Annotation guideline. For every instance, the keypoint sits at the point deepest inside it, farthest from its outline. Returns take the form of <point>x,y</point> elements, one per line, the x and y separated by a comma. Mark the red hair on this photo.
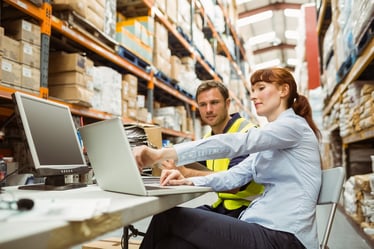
<point>299,103</point>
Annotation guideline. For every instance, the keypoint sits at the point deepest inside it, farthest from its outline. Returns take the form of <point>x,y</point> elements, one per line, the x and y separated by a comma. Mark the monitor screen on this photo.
<point>51,136</point>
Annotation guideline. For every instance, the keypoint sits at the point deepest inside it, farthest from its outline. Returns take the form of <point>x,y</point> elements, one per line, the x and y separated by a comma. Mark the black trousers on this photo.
<point>193,228</point>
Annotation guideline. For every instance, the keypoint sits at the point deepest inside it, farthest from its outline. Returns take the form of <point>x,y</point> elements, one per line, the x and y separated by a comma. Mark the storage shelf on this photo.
<point>359,136</point>
<point>224,47</point>
<point>232,30</point>
<point>177,133</point>
<point>322,22</point>
<point>360,65</point>
<point>44,15</point>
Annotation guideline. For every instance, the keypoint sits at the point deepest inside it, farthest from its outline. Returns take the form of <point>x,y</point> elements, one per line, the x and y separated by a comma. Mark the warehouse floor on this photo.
<point>344,234</point>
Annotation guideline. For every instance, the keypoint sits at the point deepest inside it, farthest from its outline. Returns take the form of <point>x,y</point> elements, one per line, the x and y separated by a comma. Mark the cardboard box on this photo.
<point>11,72</point>
<point>11,49</point>
<point>67,78</point>
<point>65,62</point>
<point>30,54</point>
<point>73,93</point>
<point>154,136</point>
<point>111,243</point>
<point>23,30</point>
<point>30,78</point>
<point>95,18</point>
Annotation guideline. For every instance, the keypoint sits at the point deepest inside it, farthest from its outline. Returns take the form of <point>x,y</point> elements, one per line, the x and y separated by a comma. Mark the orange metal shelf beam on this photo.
<point>177,133</point>
<point>28,8</point>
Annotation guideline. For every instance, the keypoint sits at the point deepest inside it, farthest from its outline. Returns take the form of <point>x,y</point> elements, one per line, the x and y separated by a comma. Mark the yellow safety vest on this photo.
<point>234,201</point>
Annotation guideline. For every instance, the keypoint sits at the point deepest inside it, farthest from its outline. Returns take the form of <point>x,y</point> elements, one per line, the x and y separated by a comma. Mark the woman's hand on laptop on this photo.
<point>147,157</point>
<point>173,177</point>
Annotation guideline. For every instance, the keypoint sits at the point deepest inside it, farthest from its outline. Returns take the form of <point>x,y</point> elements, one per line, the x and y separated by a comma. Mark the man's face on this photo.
<point>213,108</point>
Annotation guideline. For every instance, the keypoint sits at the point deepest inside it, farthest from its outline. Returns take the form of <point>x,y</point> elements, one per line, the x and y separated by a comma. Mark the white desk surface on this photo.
<point>61,219</point>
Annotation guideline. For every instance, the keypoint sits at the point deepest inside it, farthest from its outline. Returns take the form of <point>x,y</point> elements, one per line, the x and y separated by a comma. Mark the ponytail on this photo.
<point>302,108</point>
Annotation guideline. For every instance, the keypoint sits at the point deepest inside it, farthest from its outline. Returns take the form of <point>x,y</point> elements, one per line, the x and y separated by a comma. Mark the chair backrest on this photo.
<point>332,184</point>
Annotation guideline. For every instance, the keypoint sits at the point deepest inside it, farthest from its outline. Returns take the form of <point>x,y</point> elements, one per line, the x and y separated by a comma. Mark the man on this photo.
<point>213,102</point>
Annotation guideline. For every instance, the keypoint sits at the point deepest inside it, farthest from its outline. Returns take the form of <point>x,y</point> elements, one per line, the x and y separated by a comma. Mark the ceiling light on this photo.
<point>291,34</point>
<point>292,12</point>
<point>267,37</point>
<point>255,18</point>
<point>266,64</point>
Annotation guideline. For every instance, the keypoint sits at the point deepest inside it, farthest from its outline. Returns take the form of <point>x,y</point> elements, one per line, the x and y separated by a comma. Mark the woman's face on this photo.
<point>268,99</point>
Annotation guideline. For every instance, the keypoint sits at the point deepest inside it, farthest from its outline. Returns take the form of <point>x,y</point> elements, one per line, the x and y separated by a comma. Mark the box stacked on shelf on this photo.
<point>136,35</point>
<point>107,84</point>
<point>10,66</point>
<point>161,51</point>
<point>184,17</point>
<point>70,77</point>
<point>357,108</point>
<point>175,68</point>
<point>171,11</point>
<point>359,201</point>
<point>22,48</point>
<point>188,78</point>
<point>129,95</point>
<point>172,117</point>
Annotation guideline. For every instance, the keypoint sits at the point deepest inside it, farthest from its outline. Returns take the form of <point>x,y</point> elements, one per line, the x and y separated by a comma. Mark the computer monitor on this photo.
<point>52,144</point>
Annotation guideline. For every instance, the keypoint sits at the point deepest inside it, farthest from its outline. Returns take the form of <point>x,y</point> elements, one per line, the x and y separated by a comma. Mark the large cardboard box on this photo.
<point>72,93</point>
<point>154,136</point>
<point>67,78</point>
<point>30,78</point>
<point>11,72</point>
<point>66,62</point>
<point>30,54</point>
<point>23,30</point>
<point>11,49</point>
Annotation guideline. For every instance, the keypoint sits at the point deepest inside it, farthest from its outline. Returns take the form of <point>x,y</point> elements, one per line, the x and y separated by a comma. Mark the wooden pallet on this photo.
<point>78,23</point>
<point>133,8</point>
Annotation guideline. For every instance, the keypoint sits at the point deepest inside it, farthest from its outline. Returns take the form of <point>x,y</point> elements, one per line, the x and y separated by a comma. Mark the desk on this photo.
<point>59,233</point>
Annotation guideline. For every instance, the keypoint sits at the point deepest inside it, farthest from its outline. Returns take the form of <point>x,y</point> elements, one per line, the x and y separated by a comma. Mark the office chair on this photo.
<point>332,184</point>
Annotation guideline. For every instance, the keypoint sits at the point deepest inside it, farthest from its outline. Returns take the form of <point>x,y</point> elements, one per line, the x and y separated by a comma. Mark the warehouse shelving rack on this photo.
<point>360,67</point>
<point>48,22</point>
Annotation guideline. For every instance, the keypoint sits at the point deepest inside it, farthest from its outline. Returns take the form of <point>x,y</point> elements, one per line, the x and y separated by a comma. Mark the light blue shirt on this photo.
<point>284,157</point>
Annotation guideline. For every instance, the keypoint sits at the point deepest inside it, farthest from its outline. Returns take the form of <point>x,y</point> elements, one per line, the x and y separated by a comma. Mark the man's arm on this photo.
<point>194,169</point>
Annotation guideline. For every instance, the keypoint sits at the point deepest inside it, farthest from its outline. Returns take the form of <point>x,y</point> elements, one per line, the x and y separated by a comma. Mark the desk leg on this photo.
<point>125,238</point>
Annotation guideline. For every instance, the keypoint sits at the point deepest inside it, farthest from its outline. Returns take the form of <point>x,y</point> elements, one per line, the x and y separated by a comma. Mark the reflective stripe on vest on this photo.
<point>234,201</point>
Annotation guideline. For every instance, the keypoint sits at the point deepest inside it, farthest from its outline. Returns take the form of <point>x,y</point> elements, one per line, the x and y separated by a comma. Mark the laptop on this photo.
<point>115,168</point>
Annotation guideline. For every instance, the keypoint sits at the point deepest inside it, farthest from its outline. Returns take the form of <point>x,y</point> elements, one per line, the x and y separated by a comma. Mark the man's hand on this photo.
<point>173,177</point>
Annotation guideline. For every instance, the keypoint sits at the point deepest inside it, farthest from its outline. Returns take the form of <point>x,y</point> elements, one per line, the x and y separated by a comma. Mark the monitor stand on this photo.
<point>53,183</point>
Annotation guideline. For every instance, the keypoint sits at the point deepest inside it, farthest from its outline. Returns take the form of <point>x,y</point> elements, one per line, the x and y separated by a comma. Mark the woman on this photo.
<point>284,157</point>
